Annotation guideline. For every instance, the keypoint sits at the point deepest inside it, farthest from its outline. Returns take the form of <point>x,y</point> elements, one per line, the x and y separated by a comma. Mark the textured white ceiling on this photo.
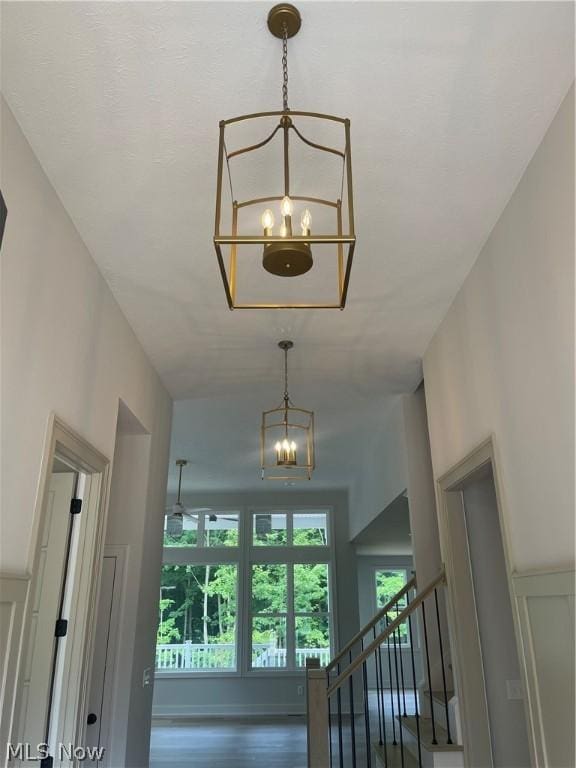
<point>448,102</point>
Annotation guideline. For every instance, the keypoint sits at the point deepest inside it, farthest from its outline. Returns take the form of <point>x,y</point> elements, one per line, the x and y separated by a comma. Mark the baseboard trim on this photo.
<point>174,712</point>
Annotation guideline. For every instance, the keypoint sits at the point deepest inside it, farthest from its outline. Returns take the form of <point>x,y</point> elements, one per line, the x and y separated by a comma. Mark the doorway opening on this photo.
<point>60,613</point>
<point>489,674</point>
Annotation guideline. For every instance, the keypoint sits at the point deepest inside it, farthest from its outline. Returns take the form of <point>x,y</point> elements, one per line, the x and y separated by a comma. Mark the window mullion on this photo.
<point>290,621</point>
<point>246,592</point>
<point>201,542</point>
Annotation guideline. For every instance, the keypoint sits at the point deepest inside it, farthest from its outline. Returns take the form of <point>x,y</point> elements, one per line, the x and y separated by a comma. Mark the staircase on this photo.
<point>408,720</point>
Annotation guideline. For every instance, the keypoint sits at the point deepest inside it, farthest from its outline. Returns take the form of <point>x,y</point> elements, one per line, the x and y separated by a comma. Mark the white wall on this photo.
<point>502,361</point>
<point>382,474</point>
<point>421,495</point>
<point>257,692</point>
<point>66,347</point>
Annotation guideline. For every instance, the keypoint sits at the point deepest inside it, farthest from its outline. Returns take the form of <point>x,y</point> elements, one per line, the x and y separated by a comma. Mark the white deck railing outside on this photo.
<point>193,656</point>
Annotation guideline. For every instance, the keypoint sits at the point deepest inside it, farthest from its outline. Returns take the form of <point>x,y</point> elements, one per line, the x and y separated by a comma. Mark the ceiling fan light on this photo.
<point>174,525</point>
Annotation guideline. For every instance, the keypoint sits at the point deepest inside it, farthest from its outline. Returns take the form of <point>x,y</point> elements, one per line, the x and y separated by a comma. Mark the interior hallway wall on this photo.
<point>67,348</point>
<point>502,361</point>
<point>382,472</point>
<point>502,364</point>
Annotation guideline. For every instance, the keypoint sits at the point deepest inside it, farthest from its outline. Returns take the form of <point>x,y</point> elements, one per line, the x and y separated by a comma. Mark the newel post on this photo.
<point>317,715</point>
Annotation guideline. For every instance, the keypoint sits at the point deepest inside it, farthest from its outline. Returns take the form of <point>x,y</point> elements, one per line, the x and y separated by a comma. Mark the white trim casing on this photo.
<point>465,640</point>
<point>13,596</point>
<point>75,668</point>
<point>545,605</point>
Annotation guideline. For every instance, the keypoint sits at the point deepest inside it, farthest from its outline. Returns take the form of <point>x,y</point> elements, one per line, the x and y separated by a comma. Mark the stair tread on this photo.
<point>439,695</point>
<point>394,755</point>
<point>426,734</point>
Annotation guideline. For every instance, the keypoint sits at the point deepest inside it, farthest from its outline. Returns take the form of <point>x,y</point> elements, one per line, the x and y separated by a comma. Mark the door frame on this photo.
<point>109,693</point>
<point>464,630</point>
<point>61,440</point>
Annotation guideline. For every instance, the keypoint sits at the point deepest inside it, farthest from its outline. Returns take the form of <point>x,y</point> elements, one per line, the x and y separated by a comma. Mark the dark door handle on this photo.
<point>91,719</point>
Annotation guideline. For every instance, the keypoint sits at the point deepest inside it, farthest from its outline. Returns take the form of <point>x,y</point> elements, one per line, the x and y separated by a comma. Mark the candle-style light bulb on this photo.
<point>267,220</point>
<point>286,206</point>
<point>283,230</point>
<point>306,221</point>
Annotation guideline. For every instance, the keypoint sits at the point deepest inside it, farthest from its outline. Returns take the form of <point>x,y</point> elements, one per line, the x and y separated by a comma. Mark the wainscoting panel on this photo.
<point>545,604</point>
<point>13,594</point>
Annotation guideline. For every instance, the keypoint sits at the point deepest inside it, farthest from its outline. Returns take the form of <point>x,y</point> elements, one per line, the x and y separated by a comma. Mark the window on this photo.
<point>310,529</point>
<point>206,529</point>
<point>389,582</point>
<point>281,529</point>
<point>197,626</point>
<point>290,594</point>
<point>269,615</point>
<point>270,530</point>
<point>281,558</point>
<point>311,612</point>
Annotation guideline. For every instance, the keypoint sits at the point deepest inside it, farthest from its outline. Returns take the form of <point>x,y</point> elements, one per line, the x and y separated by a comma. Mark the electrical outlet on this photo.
<point>300,690</point>
<point>514,690</point>
<point>147,677</point>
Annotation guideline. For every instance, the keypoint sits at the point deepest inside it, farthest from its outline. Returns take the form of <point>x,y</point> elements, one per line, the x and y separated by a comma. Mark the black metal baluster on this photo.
<point>339,705</point>
<point>382,705</point>
<point>366,711</point>
<point>378,692</point>
<point>449,737</point>
<point>416,713</point>
<point>352,717</point>
<point>400,732</point>
<point>402,671</point>
<point>434,740</point>
<point>391,687</point>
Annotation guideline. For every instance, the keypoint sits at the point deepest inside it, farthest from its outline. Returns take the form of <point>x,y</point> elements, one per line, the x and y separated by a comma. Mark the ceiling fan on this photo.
<point>176,513</point>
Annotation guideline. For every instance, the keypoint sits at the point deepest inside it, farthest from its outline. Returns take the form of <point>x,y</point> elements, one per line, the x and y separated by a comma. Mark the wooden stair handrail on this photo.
<point>373,621</point>
<point>369,650</point>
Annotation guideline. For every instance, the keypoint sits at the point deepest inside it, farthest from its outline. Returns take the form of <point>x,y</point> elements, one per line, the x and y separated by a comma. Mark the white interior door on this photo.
<point>40,661</point>
<point>100,698</point>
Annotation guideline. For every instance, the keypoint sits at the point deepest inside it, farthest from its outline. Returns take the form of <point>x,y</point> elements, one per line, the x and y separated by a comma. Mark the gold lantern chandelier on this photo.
<point>287,436</point>
<point>278,164</point>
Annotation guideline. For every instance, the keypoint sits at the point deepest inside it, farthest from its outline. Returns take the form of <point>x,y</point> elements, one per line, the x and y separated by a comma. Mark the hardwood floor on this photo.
<point>278,742</point>
<point>254,742</point>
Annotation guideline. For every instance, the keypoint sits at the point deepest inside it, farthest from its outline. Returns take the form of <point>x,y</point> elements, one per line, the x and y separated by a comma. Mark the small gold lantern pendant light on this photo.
<point>289,249</point>
<point>287,436</point>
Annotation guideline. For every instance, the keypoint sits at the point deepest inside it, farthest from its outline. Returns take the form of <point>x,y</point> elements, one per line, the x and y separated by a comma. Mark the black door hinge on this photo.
<point>61,628</point>
<point>75,506</point>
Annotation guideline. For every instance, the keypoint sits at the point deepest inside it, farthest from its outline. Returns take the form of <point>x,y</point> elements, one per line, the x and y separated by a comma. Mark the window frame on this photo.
<point>243,556</point>
<point>201,530</point>
<point>408,570</point>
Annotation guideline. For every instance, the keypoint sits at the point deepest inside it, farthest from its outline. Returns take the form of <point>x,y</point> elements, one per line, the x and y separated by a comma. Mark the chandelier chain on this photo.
<point>285,67</point>
<point>286,395</point>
